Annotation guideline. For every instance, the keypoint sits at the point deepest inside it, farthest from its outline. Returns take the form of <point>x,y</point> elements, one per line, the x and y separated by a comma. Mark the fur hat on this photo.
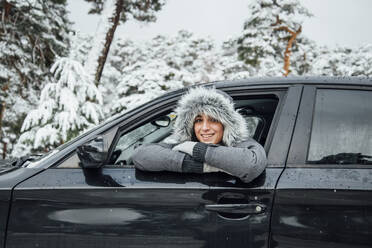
<point>211,102</point>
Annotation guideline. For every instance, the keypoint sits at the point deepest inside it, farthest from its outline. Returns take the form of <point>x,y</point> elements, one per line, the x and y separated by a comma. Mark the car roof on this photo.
<point>277,82</point>
<point>310,80</point>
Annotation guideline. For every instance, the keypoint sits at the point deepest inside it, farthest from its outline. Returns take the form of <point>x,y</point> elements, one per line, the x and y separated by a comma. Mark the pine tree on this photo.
<point>232,67</point>
<point>112,13</point>
<point>149,69</point>
<point>343,61</point>
<point>32,33</point>
<point>271,35</point>
<point>69,104</point>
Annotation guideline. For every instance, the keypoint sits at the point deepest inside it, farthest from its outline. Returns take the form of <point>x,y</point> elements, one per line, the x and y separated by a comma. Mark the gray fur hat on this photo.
<point>211,102</point>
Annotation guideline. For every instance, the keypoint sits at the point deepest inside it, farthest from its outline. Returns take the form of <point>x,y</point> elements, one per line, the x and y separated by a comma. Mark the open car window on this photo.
<point>151,132</point>
<point>257,112</point>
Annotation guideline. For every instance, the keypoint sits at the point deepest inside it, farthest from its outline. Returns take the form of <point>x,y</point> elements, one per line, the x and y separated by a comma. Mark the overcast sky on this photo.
<point>342,22</point>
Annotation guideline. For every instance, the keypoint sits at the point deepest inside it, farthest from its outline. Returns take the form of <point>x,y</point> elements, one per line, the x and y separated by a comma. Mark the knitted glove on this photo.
<point>185,147</point>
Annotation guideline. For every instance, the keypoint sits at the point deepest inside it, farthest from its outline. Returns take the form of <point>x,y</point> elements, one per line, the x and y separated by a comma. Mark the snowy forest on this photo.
<point>57,83</point>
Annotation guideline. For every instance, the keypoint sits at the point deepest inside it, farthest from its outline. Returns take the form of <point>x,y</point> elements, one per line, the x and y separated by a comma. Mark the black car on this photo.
<point>315,192</point>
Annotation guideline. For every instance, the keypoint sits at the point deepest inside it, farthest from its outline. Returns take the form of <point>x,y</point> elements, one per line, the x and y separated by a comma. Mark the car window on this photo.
<point>258,113</point>
<point>150,132</point>
<point>257,122</point>
<point>342,127</point>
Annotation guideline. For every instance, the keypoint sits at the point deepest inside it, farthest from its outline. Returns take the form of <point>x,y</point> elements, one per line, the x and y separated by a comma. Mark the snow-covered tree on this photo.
<point>149,69</point>
<point>343,61</point>
<point>232,67</point>
<point>68,106</point>
<point>80,45</point>
<point>271,35</point>
<point>32,33</point>
<point>112,13</point>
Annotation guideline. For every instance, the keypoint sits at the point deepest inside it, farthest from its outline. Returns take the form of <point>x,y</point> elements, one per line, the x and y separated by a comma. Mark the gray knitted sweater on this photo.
<point>246,160</point>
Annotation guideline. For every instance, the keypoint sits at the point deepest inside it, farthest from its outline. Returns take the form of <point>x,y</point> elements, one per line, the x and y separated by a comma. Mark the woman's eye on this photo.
<point>198,120</point>
<point>213,120</point>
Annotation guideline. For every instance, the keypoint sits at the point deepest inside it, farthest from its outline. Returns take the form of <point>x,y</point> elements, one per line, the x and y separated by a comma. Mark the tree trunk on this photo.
<point>2,111</point>
<point>288,49</point>
<point>109,37</point>
<point>287,53</point>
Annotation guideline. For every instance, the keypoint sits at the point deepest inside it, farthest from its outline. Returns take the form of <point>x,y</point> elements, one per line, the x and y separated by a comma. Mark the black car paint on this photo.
<point>7,183</point>
<point>306,211</point>
<point>123,207</point>
<point>321,205</point>
<point>323,208</point>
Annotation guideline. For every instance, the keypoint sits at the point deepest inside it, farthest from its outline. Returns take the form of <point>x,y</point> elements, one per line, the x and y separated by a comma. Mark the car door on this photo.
<point>119,206</point>
<point>9,178</point>
<point>324,197</point>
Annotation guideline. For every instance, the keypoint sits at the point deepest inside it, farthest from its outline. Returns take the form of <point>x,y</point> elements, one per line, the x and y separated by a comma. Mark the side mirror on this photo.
<point>92,154</point>
<point>162,121</point>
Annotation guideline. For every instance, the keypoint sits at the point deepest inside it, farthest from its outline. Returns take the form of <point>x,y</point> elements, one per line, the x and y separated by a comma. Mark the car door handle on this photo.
<point>251,208</point>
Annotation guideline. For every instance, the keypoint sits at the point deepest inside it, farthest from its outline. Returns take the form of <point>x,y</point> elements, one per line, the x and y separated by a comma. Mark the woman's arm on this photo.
<point>161,157</point>
<point>246,160</point>
<point>158,157</point>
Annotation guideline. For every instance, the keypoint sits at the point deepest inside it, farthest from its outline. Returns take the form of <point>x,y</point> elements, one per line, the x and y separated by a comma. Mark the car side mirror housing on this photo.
<point>162,121</point>
<point>92,154</point>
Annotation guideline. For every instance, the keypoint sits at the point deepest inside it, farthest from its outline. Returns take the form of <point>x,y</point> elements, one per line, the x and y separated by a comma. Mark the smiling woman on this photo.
<point>209,135</point>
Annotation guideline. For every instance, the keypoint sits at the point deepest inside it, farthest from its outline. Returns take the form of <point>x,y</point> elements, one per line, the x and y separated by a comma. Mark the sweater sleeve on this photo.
<point>161,157</point>
<point>247,160</point>
<point>158,157</point>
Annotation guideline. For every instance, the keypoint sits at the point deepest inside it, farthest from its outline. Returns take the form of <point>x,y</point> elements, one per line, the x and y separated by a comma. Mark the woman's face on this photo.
<point>208,130</point>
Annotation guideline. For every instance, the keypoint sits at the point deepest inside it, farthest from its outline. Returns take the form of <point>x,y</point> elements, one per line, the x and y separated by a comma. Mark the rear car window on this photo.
<point>342,127</point>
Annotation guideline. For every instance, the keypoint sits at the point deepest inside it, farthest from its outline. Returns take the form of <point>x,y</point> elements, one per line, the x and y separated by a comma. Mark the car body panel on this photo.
<point>321,205</point>
<point>323,208</point>
<point>8,180</point>
<point>129,208</point>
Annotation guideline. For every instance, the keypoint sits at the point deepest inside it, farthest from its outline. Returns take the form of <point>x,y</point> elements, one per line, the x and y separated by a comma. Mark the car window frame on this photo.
<point>166,103</point>
<point>237,91</point>
<point>300,144</point>
<point>111,129</point>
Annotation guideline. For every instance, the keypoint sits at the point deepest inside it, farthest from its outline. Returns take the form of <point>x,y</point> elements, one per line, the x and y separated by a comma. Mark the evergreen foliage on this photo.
<point>32,33</point>
<point>68,105</point>
<point>132,9</point>
<point>139,72</point>
<point>266,34</point>
<point>114,12</point>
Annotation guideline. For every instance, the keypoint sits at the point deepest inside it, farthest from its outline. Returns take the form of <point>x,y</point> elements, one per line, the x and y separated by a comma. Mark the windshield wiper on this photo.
<point>344,158</point>
<point>18,162</point>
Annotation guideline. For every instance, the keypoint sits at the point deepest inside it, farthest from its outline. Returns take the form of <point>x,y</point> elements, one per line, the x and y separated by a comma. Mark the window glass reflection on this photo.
<point>342,128</point>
